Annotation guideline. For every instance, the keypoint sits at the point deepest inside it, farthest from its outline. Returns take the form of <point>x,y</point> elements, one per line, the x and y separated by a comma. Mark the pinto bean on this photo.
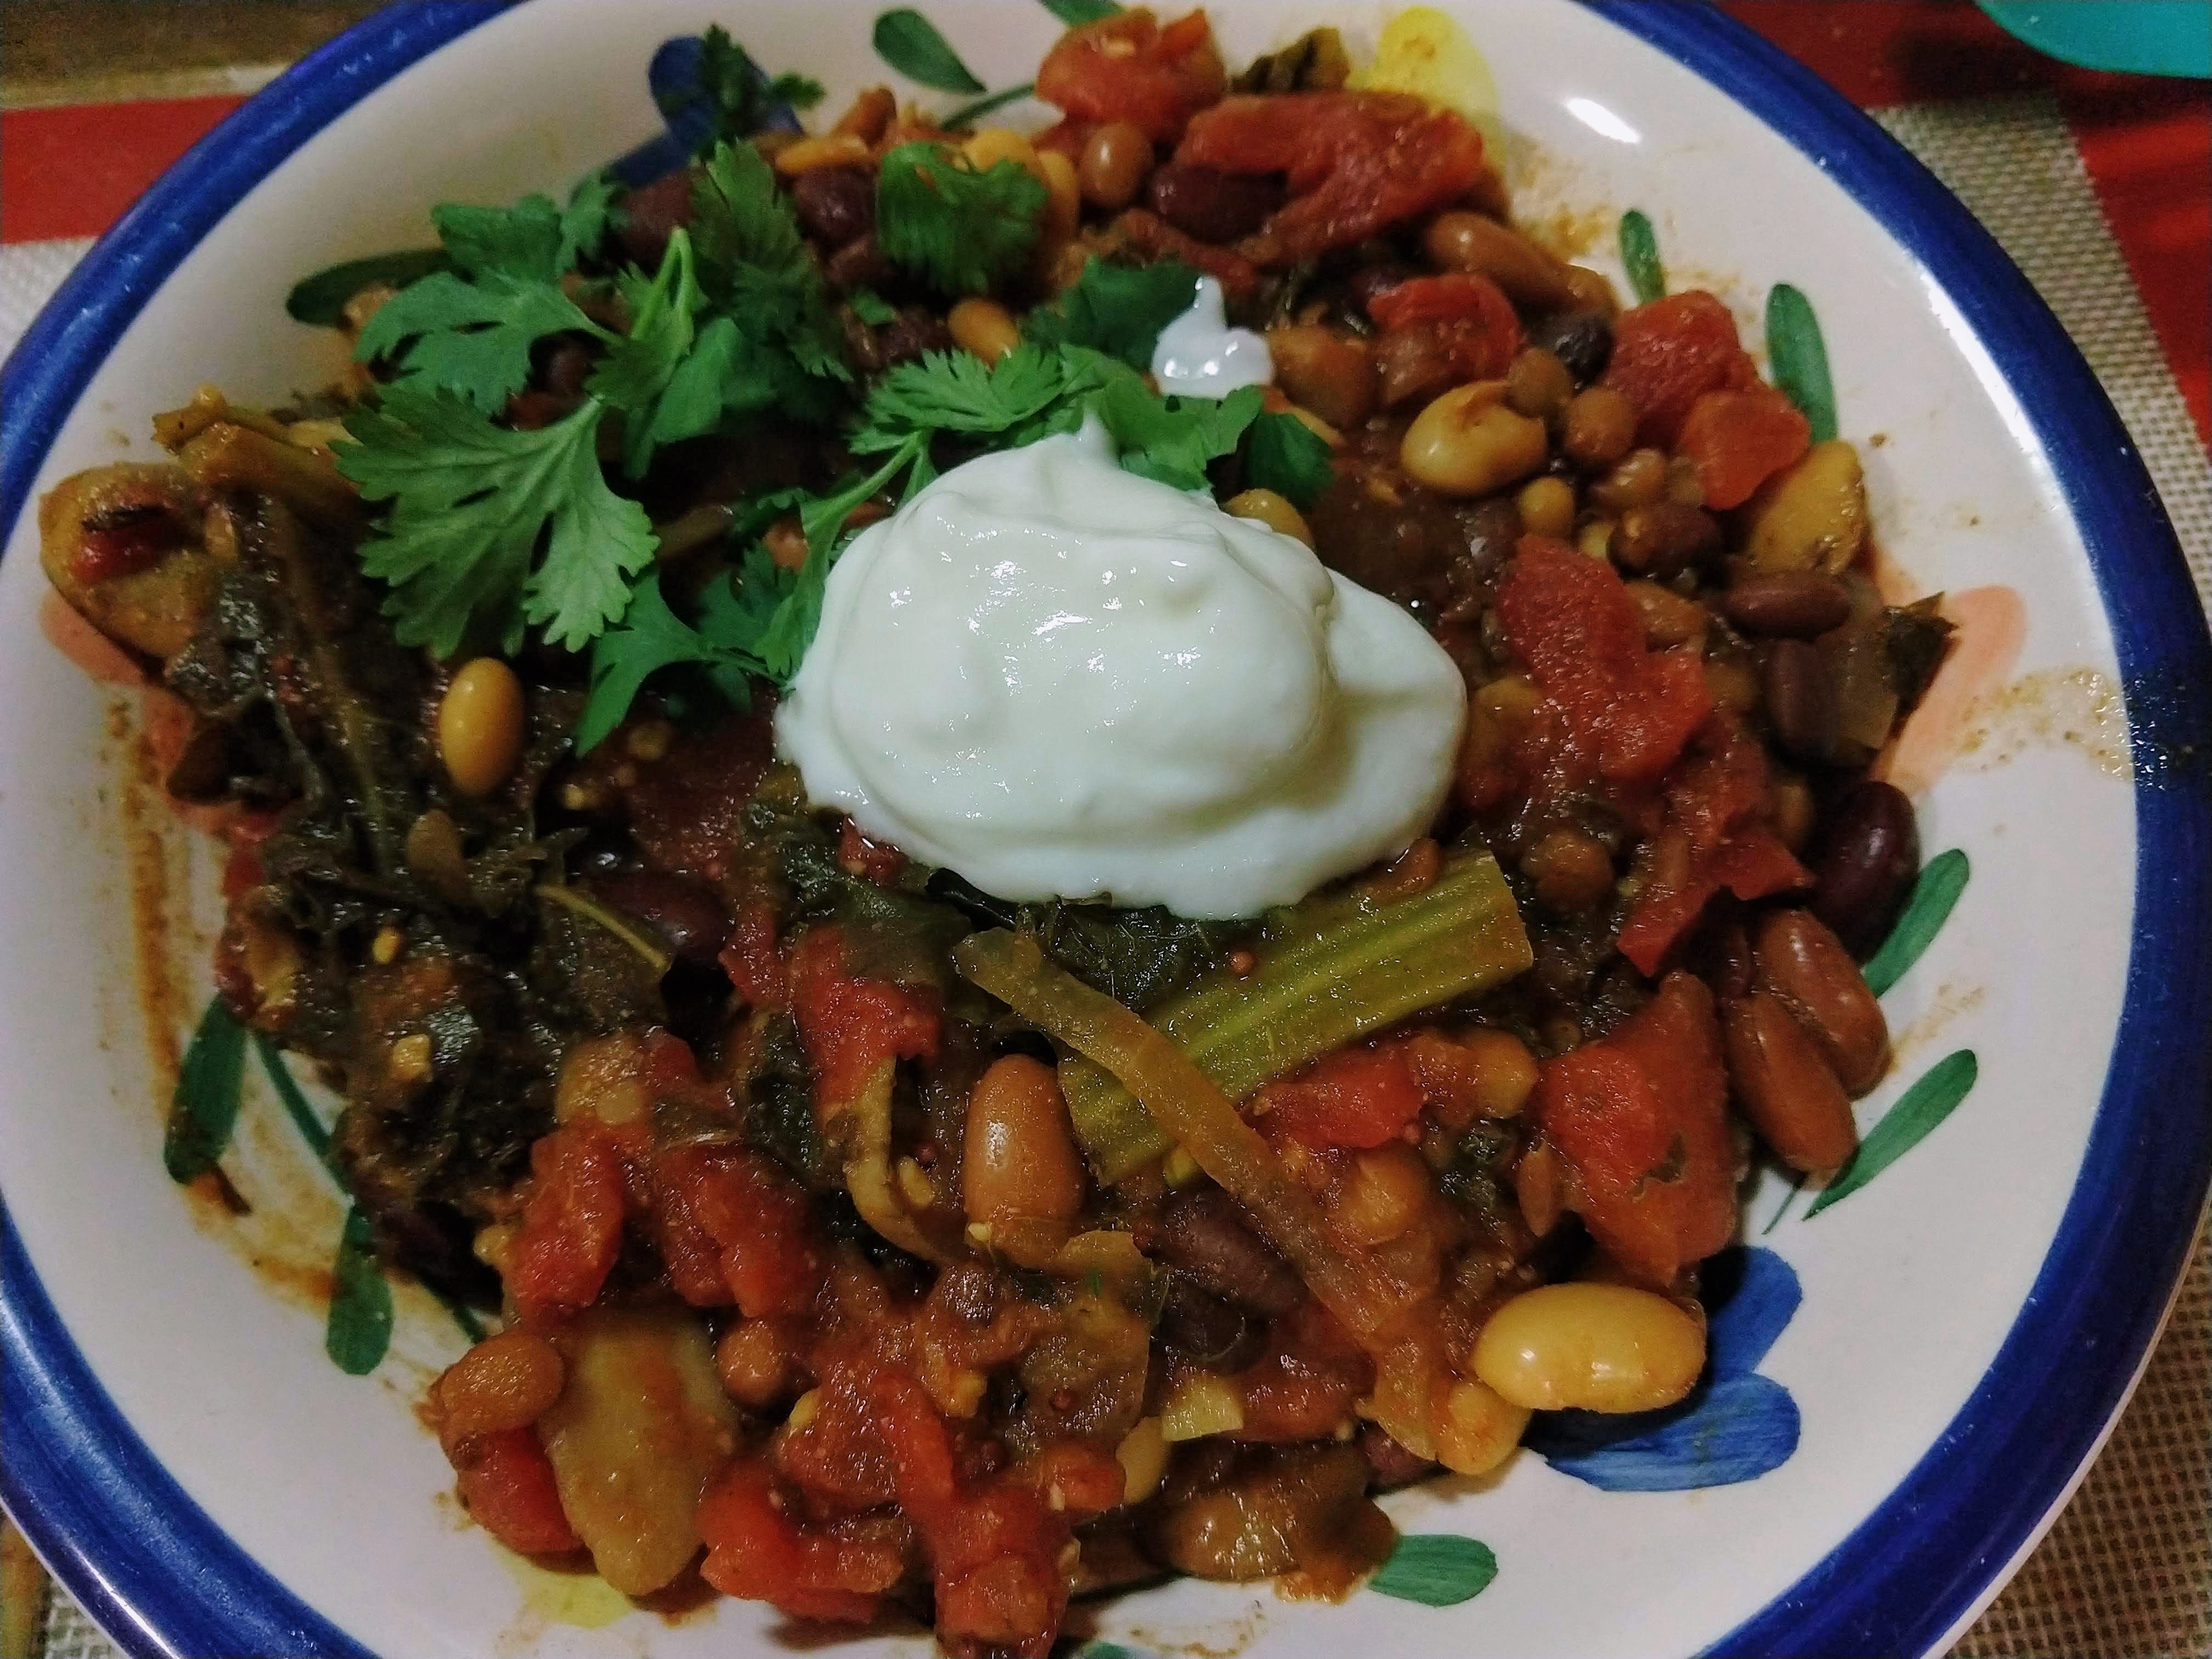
<point>1868,858</point>
<point>1205,1234</point>
<point>1785,1088</point>
<point>1116,158</point>
<point>1324,371</point>
<point>1210,205</point>
<point>1805,964</point>
<point>650,215</point>
<point>1665,538</point>
<point>1795,605</point>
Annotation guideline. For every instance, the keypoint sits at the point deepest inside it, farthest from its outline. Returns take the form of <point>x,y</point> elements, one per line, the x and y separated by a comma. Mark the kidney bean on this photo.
<point>1370,283</point>
<point>1391,1463</point>
<point>1210,205</point>
<point>859,264</point>
<point>1784,1087</point>
<point>1869,853</point>
<point>1806,965</point>
<point>568,364</point>
<point>835,205</point>
<point>1800,689</point>
<point>1794,604</point>
<point>1205,1234</point>
<point>913,331</point>
<point>1583,340</point>
<point>651,212</point>
<point>686,913</point>
<point>1664,538</point>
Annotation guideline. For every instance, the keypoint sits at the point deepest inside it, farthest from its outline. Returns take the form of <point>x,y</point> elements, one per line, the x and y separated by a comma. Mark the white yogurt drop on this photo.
<point>1200,356</point>
<point>1064,681</point>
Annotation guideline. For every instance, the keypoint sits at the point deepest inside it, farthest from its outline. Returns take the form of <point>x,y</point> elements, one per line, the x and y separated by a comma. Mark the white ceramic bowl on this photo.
<point>180,1449</point>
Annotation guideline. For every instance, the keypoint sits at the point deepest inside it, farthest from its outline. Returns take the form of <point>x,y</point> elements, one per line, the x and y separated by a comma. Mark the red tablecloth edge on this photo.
<point>71,170</point>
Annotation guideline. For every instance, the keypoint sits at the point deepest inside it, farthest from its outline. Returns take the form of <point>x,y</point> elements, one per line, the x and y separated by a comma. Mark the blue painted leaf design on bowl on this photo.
<point>1736,1426</point>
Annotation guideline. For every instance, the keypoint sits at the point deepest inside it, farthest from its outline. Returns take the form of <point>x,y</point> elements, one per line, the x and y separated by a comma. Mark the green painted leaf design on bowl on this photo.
<point>1437,1570</point>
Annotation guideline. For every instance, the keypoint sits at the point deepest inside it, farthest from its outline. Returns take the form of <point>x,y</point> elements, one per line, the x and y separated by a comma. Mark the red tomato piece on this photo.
<point>850,1025</point>
<point>505,1482</point>
<point>756,1549</point>
<point>750,957</point>
<point>736,1209</point>
<point>572,1221</point>
<point>1469,312</point>
<point>125,539</point>
<point>1357,162</point>
<point>1739,440</point>
<point>1354,1098</point>
<point>1626,710</point>
<point>1669,353</point>
<point>1307,1381</point>
<point>1126,67</point>
<point>1640,1121</point>
<point>1155,239</point>
<point>1715,837</point>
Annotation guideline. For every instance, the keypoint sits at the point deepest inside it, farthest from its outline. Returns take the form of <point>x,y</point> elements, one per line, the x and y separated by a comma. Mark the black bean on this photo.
<point>685,913</point>
<point>1213,205</point>
<point>1869,853</point>
<point>835,205</point>
<point>651,212</point>
<point>1800,689</point>
<point>1583,340</point>
<point>1794,604</point>
<point>1206,1234</point>
<point>1207,1327</point>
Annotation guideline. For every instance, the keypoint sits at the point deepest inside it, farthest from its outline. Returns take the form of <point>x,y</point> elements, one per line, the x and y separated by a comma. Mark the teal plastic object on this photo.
<point>2135,37</point>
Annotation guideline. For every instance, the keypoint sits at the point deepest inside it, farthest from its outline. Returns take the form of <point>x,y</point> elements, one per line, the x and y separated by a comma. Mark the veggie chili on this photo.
<point>865,1242</point>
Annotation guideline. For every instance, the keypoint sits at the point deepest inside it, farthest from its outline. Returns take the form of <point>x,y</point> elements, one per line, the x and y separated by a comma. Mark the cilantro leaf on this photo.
<point>1117,309</point>
<point>472,505</point>
<point>587,218</point>
<point>755,267</point>
<point>957,391</point>
<point>744,98</point>
<point>638,371</point>
<point>740,217</point>
<point>472,339</point>
<point>1171,440</point>
<point>870,306</point>
<point>1284,454</point>
<point>958,229</point>
<point>653,637</point>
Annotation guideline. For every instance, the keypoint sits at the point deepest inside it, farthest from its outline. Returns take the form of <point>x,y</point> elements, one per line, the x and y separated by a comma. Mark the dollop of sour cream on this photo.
<point>1064,681</point>
<point>1200,356</point>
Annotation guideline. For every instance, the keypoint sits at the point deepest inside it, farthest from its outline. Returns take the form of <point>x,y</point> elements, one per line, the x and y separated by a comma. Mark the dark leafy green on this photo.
<point>1284,454</point>
<point>1117,309</point>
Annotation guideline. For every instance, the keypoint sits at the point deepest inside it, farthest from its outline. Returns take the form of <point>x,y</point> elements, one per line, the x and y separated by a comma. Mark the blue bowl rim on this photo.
<point>168,1584</point>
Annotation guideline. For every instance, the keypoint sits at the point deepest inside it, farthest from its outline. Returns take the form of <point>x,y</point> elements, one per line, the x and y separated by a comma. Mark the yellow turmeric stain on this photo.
<point>1424,52</point>
<point>2076,708</point>
<point>577,1597</point>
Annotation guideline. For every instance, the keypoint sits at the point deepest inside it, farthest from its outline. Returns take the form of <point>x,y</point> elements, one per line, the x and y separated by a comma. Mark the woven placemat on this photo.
<point>2126,1573</point>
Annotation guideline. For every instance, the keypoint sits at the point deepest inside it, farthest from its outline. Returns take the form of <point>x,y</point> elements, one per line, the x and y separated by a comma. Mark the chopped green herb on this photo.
<point>1172,440</point>
<point>742,96</point>
<point>1117,309</point>
<point>958,229</point>
<point>871,307</point>
<point>910,44</point>
<point>470,503</point>
<point>1285,455</point>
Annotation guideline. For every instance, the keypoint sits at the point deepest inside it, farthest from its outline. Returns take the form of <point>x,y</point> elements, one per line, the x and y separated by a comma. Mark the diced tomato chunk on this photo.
<point>749,958</point>
<point>1126,67</point>
<point>1155,239</point>
<point>505,1482</point>
<point>1639,1119</point>
<point>850,1025</point>
<point>1470,313</point>
<point>1357,163</point>
<point>572,1223</point>
<point>1354,1098</point>
<point>734,1227</point>
<point>756,1548</point>
<point>1080,1480</point>
<point>1739,440</point>
<point>1626,710</point>
<point>1308,1380</point>
<point>1716,835</point>
<point>1669,353</point>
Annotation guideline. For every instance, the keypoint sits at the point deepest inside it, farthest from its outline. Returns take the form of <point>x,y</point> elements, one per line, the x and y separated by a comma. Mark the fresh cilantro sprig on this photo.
<point>960,230</point>
<point>469,330</point>
<point>742,96</point>
<point>1284,454</point>
<point>1117,309</point>
<point>471,506</point>
<point>489,530</point>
